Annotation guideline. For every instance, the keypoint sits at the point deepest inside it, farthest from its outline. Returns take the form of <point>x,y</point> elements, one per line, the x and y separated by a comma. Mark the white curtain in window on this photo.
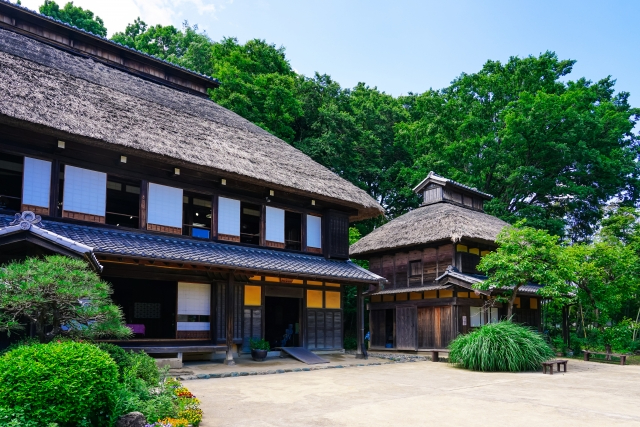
<point>85,191</point>
<point>477,317</point>
<point>36,182</point>
<point>314,231</point>
<point>194,299</point>
<point>275,225</point>
<point>228,216</point>
<point>165,205</point>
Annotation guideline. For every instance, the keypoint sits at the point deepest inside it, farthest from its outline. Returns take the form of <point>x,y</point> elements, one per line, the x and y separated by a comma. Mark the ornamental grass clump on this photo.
<point>503,346</point>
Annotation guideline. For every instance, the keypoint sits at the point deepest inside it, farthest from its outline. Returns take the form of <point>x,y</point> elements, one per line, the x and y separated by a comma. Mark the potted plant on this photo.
<point>259,349</point>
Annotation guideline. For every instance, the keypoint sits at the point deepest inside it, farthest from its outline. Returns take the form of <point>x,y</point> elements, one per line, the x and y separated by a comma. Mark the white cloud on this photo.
<point>116,14</point>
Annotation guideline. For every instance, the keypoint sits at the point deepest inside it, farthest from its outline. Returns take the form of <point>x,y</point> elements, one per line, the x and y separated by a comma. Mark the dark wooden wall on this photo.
<point>336,234</point>
<point>324,329</point>
<point>395,266</point>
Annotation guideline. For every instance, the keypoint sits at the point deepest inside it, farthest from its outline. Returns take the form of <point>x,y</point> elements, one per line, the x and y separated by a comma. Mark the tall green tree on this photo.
<point>551,152</point>
<point>524,255</point>
<point>61,296</point>
<point>76,16</point>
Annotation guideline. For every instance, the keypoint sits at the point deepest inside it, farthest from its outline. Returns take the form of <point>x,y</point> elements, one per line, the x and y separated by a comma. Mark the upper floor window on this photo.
<point>314,233</point>
<point>36,185</point>
<point>164,209</point>
<point>123,202</point>
<point>293,230</point>
<point>11,182</point>
<point>415,268</point>
<point>85,194</point>
<point>250,223</point>
<point>196,214</point>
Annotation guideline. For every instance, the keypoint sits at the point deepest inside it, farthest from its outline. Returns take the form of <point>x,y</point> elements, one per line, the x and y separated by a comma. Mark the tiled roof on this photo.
<point>471,279</point>
<point>415,289</point>
<point>109,241</point>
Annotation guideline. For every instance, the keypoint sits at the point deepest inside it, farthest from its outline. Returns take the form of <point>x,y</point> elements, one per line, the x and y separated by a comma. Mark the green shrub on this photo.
<point>69,383</point>
<point>503,346</point>
<point>144,366</point>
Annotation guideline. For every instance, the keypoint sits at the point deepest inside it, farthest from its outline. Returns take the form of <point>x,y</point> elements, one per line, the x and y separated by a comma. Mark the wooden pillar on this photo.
<point>360,351</point>
<point>229,294</point>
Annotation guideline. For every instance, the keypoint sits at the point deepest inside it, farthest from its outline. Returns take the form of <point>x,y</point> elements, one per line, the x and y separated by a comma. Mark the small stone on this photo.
<point>253,373</point>
<point>225,375</point>
<point>280,371</point>
<point>288,370</point>
<point>215,375</point>
<point>132,419</point>
<point>243,374</point>
<point>202,376</point>
<point>306,369</point>
<point>271,371</point>
<point>234,374</point>
<point>338,366</point>
<point>297,370</point>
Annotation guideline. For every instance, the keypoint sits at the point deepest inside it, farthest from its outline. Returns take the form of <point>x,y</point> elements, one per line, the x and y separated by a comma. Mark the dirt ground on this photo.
<point>424,393</point>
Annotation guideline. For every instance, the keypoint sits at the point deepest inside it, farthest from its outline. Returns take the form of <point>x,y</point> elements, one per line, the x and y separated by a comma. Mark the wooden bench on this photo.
<point>623,357</point>
<point>550,363</point>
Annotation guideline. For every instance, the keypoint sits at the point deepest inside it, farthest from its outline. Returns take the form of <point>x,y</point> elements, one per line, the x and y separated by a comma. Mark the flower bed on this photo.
<point>189,412</point>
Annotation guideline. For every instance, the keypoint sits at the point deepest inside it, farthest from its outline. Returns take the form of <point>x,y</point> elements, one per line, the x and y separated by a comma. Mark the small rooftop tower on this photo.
<point>437,189</point>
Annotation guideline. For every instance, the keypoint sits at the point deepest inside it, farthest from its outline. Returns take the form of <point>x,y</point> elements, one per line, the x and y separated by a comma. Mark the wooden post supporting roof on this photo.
<point>229,312</point>
<point>360,324</point>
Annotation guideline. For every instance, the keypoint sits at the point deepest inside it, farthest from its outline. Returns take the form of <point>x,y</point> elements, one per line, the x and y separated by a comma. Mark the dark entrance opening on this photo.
<point>150,305</point>
<point>282,321</point>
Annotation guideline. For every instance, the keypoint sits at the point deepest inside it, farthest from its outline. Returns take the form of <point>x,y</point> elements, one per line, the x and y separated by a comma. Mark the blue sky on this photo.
<point>409,46</point>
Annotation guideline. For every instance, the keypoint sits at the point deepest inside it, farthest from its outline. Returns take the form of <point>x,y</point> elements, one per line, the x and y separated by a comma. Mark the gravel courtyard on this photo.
<point>424,393</point>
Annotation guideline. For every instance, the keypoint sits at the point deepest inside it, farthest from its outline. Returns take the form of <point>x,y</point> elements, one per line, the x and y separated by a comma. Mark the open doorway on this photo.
<point>282,321</point>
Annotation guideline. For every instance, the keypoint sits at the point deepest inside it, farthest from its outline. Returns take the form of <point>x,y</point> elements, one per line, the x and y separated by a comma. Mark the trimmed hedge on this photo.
<point>69,383</point>
<point>503,346</point>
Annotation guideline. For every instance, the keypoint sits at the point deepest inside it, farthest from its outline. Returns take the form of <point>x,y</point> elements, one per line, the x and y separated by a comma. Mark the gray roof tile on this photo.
<point>130,243</point>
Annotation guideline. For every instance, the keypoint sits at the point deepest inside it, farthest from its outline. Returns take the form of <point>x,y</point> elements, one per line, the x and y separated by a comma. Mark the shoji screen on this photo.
<point>165,209</point>
<point>228,219</point>
<point>36,185</point>
<point>85,194</point>
<point>314,232</point>
<point>275,227</point>
<point>194,307</point>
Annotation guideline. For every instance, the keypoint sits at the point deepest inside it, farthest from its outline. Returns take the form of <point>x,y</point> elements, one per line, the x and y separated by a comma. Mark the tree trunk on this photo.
<point>512,299</point>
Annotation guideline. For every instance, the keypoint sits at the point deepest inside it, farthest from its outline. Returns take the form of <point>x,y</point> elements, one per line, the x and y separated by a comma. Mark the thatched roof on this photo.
<point>68,96</point>
<point>431,223</point>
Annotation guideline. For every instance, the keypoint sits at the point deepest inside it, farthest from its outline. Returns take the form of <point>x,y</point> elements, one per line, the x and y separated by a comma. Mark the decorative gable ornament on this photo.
<point>26,219</point>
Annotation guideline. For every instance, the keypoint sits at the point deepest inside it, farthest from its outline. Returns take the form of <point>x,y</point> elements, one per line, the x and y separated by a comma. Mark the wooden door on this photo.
<point>434,327</point>
<point>406,328</point>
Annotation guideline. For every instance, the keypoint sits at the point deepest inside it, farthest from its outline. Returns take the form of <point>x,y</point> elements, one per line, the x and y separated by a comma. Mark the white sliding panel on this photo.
<point>165,206</point>
<point>228,216</point>
<point>36,182</point>
<point>275,225</point>
<point>85,191</point>
<point>314,231</point>
<point>194,299</point>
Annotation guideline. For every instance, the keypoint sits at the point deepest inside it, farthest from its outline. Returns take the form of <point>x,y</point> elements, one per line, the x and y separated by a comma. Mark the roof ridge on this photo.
<point>26,9</point>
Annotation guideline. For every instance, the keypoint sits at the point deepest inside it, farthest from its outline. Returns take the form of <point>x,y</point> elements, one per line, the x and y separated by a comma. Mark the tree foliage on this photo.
<point>551,151</point>
<point>76,16</point>
<point>524,255</point>
<point>61,296</point>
